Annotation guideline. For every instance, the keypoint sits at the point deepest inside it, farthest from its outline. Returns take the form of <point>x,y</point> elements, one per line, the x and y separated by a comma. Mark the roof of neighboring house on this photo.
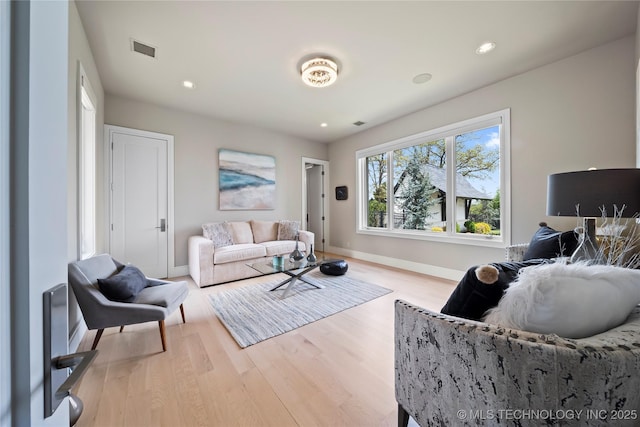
<point>464,189</point>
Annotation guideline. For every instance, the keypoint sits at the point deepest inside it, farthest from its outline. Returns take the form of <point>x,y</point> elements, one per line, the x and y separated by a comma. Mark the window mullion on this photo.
<point>390,196</point>
<point>450,148</point>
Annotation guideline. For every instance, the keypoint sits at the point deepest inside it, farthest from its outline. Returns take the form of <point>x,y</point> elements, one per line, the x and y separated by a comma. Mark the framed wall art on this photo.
<point>247,180</point>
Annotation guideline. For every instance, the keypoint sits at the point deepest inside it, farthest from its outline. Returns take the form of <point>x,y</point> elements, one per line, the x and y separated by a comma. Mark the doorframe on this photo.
<point>325,205</point>
<point>6,326</point>
<point>108,166</point>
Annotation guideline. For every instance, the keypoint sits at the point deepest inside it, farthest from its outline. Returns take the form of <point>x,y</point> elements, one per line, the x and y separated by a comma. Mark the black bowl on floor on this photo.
<point>334,267</point>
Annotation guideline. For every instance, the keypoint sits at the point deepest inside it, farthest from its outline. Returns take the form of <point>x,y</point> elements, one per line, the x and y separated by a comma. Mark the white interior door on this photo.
<point>139,201</point>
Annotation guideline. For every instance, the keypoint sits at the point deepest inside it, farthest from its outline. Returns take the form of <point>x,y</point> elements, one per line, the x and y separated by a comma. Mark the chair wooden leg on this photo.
<point>121,328</point>
<point>182,312</point>
<point>97,338</point>
<point>403,417</point>
<point>162,335</point>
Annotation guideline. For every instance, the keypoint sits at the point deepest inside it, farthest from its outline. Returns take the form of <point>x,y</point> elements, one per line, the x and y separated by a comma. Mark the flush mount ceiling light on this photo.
<point>319,72</point>
<point>485,48</point>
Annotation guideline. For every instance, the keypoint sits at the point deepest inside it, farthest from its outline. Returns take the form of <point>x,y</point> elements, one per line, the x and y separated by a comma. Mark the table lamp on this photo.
<point>591,194</point>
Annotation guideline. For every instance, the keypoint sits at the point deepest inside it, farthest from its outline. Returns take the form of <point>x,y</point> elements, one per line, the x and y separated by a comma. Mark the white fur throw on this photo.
<point>570,300</point>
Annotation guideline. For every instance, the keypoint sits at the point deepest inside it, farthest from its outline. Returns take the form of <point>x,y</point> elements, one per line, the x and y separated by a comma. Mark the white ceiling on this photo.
<point>243,56</point>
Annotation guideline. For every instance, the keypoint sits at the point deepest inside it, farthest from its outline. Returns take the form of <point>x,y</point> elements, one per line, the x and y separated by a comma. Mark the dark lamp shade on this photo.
<point>593,190</point>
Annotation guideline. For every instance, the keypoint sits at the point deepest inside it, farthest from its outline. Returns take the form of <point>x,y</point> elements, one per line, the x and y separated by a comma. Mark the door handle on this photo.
<point>80,361</point>
<point>163,225</point>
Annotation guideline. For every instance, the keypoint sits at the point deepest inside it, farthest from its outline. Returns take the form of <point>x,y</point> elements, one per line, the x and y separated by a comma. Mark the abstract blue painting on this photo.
<point>247,181</point>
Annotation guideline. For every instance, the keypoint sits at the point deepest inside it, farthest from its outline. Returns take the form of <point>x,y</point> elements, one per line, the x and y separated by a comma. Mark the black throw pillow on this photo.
<point>472,298</point>
<point>123,286</point>
<point>548,243</point>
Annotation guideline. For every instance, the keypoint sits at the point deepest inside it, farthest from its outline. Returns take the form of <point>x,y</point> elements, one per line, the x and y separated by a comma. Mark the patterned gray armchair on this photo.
<point>456,372</point>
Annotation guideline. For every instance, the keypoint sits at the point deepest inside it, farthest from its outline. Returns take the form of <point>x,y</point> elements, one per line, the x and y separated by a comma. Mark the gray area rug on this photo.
<point>252,314</point>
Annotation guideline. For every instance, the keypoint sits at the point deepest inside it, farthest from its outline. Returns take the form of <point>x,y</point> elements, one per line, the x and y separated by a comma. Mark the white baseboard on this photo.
<point>77,335</point>
<point>432,270</point>
<point>178,271</point>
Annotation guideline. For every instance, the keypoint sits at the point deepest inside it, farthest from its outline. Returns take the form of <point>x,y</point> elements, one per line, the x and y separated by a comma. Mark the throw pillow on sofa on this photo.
<point>287,230</point>
<point>125,285</point>
<point>264,231</point>
<point>569,300</point>
<point>548,243</point>
<point>240,232</point>
<point>218,233</point>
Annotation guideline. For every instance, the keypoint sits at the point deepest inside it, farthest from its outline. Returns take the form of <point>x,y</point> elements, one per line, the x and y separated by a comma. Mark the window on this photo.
<point>446,184</point>
<point>86,169</point>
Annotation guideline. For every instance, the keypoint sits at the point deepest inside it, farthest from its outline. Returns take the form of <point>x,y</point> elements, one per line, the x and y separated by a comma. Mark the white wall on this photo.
<point>197,141</point>
<point>569,115</point>
<point>79,51</point>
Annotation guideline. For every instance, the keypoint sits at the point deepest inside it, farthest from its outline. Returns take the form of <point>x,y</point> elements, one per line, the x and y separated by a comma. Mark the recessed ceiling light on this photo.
<point>422,78</point>
<point>323,125</point>
<point>188,84</point>
<point>485,48</point>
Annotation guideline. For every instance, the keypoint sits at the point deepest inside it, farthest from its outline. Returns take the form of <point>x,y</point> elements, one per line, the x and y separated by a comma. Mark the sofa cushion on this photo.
<point>125,285</point>
<point>287,230</point>
<point>282,247</point>
<point>570,300</point>
<point>241,232</point>
<point>218,233</point>
<point>239,252</point>
<point>264,231</point>
<point>548,243</point>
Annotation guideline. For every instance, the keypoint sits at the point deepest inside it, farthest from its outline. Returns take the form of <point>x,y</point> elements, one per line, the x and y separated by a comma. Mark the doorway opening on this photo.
<point>315,207</point>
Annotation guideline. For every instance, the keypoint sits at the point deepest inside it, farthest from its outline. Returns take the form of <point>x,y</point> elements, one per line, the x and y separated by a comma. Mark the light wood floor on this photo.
<point>337,371</point>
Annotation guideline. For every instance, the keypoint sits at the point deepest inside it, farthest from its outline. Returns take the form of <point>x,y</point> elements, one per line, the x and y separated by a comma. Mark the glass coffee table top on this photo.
<point>268,267</point>
<point>294,269</point>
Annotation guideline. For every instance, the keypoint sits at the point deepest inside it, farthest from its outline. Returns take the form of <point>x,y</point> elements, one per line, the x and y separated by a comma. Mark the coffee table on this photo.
<point>294,269</point>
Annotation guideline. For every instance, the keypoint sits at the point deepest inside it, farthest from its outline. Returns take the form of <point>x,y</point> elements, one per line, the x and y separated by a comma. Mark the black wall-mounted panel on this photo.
<point>342,193</point>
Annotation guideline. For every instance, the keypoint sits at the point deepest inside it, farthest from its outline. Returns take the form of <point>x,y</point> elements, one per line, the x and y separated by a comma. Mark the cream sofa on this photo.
<point>222,253</point>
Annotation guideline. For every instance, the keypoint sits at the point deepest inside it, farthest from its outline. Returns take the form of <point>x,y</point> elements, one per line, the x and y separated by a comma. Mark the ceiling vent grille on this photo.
<point>142,48</point>
<point>358,123</point>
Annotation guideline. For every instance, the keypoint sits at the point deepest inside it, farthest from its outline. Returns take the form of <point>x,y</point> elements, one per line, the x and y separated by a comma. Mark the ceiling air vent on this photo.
<point>358,123</point>
<point>142,48</point>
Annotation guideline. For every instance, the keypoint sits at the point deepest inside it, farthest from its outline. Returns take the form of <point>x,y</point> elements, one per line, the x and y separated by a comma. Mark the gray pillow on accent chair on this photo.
<point>125,285</point>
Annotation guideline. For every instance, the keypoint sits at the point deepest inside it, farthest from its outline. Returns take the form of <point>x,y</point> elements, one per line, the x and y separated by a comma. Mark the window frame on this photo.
<point>448,133</point>
<point>87,167</point>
